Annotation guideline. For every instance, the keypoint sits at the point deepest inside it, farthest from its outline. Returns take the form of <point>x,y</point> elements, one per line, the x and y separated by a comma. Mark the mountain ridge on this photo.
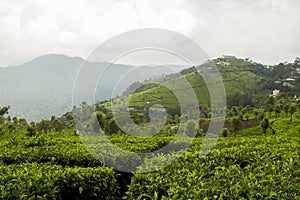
<point>43,86</point>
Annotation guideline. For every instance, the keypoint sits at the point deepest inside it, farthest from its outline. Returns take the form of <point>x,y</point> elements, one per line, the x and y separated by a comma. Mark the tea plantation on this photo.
<point>248,165</point>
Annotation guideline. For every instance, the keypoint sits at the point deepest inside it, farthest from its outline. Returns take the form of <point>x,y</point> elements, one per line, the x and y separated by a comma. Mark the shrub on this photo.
<point>44,181</point>
<point>225,132</point>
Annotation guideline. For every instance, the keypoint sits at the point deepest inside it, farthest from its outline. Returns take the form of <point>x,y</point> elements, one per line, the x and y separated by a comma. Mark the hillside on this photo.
<point>246,83</point>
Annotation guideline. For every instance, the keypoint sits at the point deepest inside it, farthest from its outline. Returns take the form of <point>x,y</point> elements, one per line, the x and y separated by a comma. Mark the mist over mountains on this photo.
<point>43,87</point>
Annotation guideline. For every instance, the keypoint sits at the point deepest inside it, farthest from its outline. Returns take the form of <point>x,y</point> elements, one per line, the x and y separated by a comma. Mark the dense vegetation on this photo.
<point>246,83</point>
<point>257,156</point>
<point>246,163</point>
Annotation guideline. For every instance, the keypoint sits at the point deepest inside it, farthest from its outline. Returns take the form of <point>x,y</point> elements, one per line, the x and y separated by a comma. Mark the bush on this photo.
<point>43,181</point>
<point>225,132</point>
<point>237,168</point>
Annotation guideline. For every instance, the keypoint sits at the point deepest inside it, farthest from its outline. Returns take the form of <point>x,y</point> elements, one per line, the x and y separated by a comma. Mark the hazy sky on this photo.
<point>264,30</point>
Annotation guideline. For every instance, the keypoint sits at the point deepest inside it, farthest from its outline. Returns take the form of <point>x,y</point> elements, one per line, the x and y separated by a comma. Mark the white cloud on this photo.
<point>266,30</point>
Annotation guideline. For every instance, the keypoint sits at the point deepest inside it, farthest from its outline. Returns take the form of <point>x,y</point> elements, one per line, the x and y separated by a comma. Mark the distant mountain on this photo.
<point>43,87</point>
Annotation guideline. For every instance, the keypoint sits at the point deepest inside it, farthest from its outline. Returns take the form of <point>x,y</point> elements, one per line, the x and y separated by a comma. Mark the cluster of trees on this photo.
<point>273,107</point>
<point>236,115</point>
<point>277,106</point>
<point>11,124</point>
<point>94,117</point>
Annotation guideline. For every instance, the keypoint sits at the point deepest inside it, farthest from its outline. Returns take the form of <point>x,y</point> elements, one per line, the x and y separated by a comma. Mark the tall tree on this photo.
<point>286,108</point>
<point>292,110</point>
<point>236,124</point>
<point>277,109</point>
<point>265,125</point>
<point>270,102</point>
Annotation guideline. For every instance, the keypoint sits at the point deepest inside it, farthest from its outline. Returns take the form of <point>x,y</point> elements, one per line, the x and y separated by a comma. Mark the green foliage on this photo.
<point>263,167</point>
<point>31,130</point>
<point>269,104</point>
<point>44,181</point>
<point>265,124</point>
<point>292,110</point>
<point>236,124</point>
<point>225,132</point>
<point>286,108</point>
<point>238,79</point>
<point>4,110</point>
<point>277,109</point>
<point>63,149</point>
<point>190,129</point>
<point>46,160</point>
<point>57,125</point>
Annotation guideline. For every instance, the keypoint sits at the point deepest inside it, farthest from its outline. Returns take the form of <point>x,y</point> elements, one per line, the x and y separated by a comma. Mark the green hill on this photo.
<point>246,83</point>
<point>238,81</point>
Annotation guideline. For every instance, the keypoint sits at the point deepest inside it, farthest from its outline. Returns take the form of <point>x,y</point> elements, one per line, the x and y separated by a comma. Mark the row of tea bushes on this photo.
<point>56,149</point>
<point>264,167</point>
<point>44,181</point>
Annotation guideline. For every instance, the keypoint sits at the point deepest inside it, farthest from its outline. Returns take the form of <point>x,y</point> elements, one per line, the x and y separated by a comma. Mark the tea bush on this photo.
<point>44,181</point>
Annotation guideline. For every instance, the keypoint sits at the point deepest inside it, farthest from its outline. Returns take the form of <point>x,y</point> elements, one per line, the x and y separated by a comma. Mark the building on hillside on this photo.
<point>287,84</point>
<point>294,99</point>
<point>277,82</point>
<point>115,109</point>
<point>157,109</point>
<point>228,56</point>
<point>290,79</point>
<point>276,93</point>
<point>225,63</point>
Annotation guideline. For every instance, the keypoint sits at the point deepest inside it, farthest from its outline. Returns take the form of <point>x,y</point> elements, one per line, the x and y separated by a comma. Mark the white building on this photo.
<point>276,93</point>
<point>289,79</point>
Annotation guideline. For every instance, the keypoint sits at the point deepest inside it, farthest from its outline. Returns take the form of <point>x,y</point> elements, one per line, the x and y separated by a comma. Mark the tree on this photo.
<point>57,125</point>
<point>236,124</point>
<point>23,121</point>
<point>277,109</point>
<point>94,122</point>
<point>4,110</point>
<point>11,127</point>
<point>261,115</point>
<point>265,125</point>
<point>298,104</point>
<point>31,131</point>
<point>292,110</point>
<point>44,126</point>
<point>8,119</point>
<point>286,108</point>
<point>270,102</point>
<point>256,113</point>
<point>112,127</point>
<point>101,120</point>
<point>235,110</point>
<point>15,120</point>
<point>190,128</point>
<point>225,132</point>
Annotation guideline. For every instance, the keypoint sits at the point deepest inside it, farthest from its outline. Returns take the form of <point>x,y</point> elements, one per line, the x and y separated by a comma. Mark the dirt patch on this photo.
<point>227,124</point>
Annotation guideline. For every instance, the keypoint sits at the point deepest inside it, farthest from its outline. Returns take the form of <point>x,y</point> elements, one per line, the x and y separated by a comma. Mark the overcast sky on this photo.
<point>267,31</point>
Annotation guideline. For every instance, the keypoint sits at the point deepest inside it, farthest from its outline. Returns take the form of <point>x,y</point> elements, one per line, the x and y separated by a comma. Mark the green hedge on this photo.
<point>56,149</point>
<point>43,181</point>
<point>265,167</point>
<point>69,150</point>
